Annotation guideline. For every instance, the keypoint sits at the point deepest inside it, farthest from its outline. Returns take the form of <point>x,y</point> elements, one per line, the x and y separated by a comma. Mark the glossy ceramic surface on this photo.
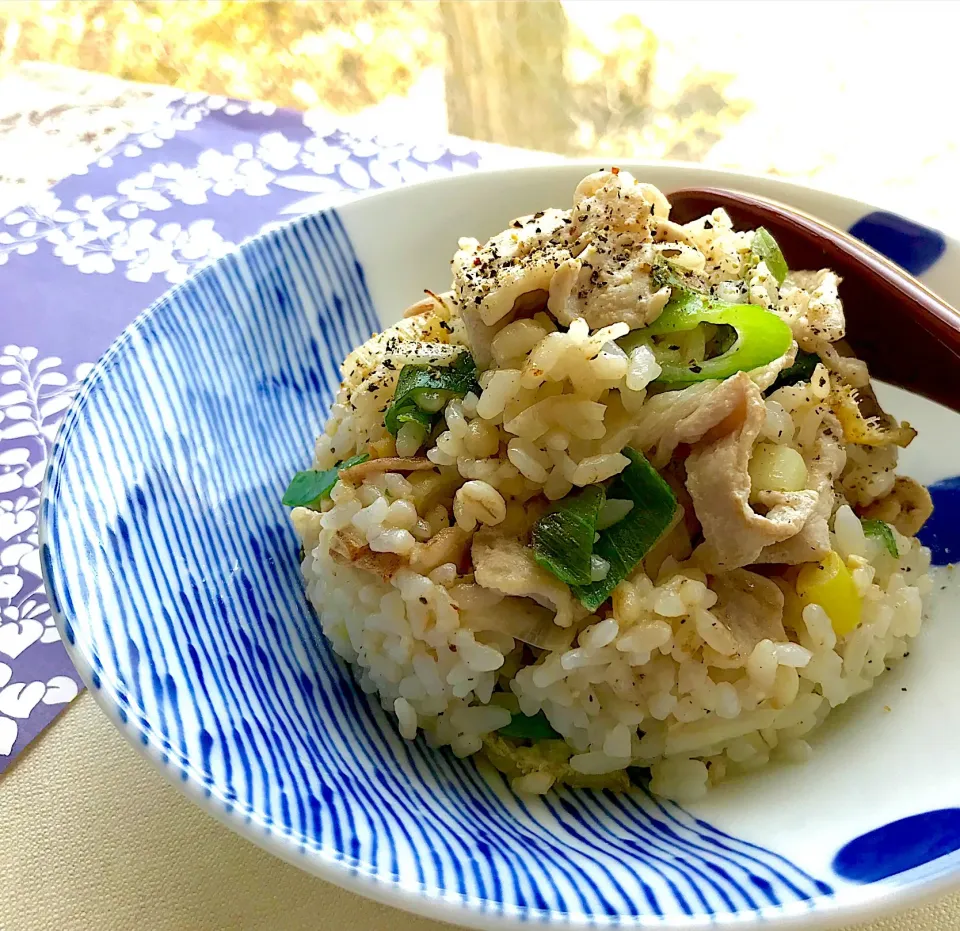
<point>172,569</point>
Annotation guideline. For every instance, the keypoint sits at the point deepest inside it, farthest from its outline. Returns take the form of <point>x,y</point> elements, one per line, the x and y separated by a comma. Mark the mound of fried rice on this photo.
<point>704,662</point>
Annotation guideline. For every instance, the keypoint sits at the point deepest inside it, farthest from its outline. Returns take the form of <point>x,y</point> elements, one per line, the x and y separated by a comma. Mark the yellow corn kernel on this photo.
<point>382,448</point>
<point>829,584</point>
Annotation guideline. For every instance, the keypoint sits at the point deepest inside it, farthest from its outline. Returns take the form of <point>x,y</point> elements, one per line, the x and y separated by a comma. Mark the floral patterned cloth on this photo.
<point>78,262</point>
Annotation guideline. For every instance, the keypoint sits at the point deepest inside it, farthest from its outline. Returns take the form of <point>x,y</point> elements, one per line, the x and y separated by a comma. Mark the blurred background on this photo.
<point>854,97</point>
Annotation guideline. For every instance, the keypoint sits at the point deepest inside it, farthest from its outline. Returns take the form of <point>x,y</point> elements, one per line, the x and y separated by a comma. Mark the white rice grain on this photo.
<point>596,763</point>
<point>407,718</point>
<point>538,783</point>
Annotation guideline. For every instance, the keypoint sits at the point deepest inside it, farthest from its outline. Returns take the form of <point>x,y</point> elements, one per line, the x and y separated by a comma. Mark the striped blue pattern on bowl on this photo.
<point>173,570</point>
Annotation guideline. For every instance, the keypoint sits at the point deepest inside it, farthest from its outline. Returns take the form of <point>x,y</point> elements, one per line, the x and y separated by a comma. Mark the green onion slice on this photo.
<point>563,537</point>
<point>422,390</point>
<point>655,512</point>
<point>663,275</point>
<point>877,528</point>
<point>765,247</point>
<point>526,727</point>
<point>396,417</point>
<point>761,337</point>
<point>801,370</point>
<point>307,489</point>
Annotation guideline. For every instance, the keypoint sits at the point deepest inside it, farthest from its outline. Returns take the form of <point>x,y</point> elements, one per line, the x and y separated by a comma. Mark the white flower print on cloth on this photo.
<point>182,115</point>
<point>34,393</point>
<point>99,234</point>
<point>78,263</point>
<point>18,700</point>
<point>34,396</point>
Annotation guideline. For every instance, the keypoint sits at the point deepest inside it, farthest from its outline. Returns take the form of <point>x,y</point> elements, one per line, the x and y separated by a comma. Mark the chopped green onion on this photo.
<point>801,370</point>
<point>423,390</point>
<point>765,247</point>
<point>410,438</point>
<point>681,293</point>
<point>877,528</point>
<point>396,417</point>
<point>664,275</point>
<point>527,727</point>
<point>307,489</point>
<point>563,537</point>
<point>719,340</point>
<point>431,401</point>
<point>761,337</point>
<point>625,543</point>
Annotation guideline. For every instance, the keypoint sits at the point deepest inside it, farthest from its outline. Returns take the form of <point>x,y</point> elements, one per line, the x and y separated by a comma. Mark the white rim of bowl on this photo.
<point>864,903</point>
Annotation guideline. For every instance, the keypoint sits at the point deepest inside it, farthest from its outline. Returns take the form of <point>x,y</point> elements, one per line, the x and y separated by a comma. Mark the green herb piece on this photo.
<point>563,537</point>
<point>681,293</point>
<point>307,489</point>
<point>397,417</point>
<point>525,727</point>
<point>765,247</point>
<point>877,528</point>
<point>761,337</point>
<point>664,275</point>
<point>654,513</point>
<point>423,389</point>
<point>801,370</point>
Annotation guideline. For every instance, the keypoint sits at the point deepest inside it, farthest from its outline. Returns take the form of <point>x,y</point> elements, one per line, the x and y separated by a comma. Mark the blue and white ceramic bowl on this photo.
<point>172,569</point>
